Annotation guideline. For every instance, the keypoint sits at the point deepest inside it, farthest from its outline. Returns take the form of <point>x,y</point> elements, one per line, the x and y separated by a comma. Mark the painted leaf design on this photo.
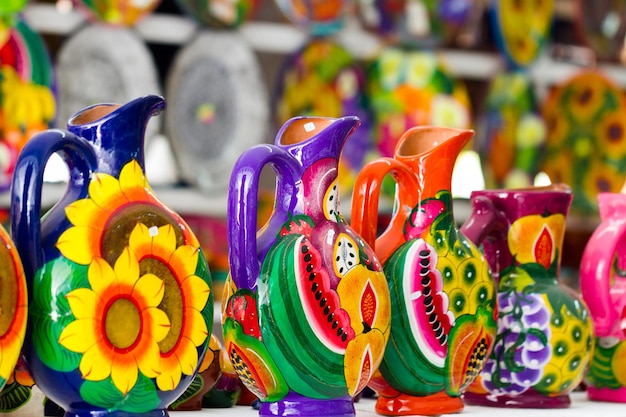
<point>13,397</point>
<point>142,398</point>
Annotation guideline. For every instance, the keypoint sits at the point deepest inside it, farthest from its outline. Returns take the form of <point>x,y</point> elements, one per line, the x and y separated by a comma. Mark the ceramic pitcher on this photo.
<point>306,307</point>
<point>442,295</point>
<point>120,291</point>
<point>544,339</point>
<point>603,287</point>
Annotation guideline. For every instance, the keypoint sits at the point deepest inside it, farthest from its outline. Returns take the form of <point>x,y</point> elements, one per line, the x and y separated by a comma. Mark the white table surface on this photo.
<point>365,408</point>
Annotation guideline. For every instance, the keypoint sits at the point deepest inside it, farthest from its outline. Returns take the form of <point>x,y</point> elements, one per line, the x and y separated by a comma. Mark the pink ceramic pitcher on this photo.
<point>603,286</point>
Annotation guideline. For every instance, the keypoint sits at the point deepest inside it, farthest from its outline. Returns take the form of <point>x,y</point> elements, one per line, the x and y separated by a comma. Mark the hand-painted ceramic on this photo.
<point>219,107</point>
<point>318,17</point>
<point>442,295</point>
<point>117,12</point>
<point>601,25</point>
<point>104,64</point>
<point>409,88</point>
<point>544,340</point>
<point>323,79</point>
<point>307,304</point>
<point>603,287</point>
<point>513,134</point>
<point>27,102</point>
<point>122,302</point>
<point>585,118</point>
<point>220,13</point>
<point>20,396</point>
<point>521,28</point>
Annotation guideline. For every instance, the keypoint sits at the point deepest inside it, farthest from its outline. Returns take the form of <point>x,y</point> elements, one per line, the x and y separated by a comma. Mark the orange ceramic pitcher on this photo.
<point>442,295</point>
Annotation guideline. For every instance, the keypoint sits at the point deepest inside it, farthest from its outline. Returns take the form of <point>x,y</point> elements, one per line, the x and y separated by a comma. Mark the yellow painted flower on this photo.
<point>602,178</point>
<point>103,221</point>
<point>185,296</point>
<point>611,134</point>
<point>585,95</point>
<point>559,168</point>
<point>118,323</point>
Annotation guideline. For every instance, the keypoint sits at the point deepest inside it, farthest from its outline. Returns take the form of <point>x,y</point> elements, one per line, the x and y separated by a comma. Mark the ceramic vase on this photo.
<point>306,305</point>
<point>442,295</point>
<point>121,293</point>
<point>603,287</point>
<point>544,339</point>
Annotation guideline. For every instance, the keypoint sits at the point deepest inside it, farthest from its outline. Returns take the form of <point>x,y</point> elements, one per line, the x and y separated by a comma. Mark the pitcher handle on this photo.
<point>595,273</point>
<point>27,185</point>
<point>365,199</point>
<point>242,207</point>
<point>485,220</point>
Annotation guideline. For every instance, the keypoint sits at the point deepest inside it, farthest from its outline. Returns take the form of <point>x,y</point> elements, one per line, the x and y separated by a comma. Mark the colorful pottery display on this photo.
<point>307,311</point>
<point>544,341</point>
<point>219,107</point>
<point>442,295</point>
<point>586,137</point>
<point>601,25</point>
<point>121,293</point>
<point>412,88</point>
<point>522,28</point>
<point>323,79</point>
<point>117,12</point>
<point>220,13</point>
<point>318,17</point>
<point>27,101</point>
<point>512,136</point>
<point>603,287</point>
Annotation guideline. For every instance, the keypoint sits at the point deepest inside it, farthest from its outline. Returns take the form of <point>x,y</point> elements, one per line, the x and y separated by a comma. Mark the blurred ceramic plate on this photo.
<point>104,64</point>
<point>27,103</point>
<point>585,118</point>
<point>512,136</point>
<point>220,13</point>
<point>522,28</point>
<point>318,17</point>
<point>218,107</point>
<point>323,79</point>
<point>117,12</point>
<point>601,25</point>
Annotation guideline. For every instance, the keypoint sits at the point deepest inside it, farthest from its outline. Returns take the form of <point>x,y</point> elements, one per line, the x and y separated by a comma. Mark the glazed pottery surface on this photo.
<point>544,340</point>
<point>442,295</point>
<point>120,291</point>
<point>306,307</point>
<point>603,287</point>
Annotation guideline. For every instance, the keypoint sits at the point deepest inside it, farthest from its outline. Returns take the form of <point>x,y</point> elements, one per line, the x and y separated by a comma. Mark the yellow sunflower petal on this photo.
<point>165,239</point>
<point>196,292</point>
<point>150,289</point>
<point>147,357</point>
<point>124,374</point>
<point>184,261</point>
<point>79,335</point>
<point>101,276</point>
<point>104,190</point>
<point>127,268</point>
<point>85,212</point>
<point>195,328</point>
<point>133,181</point>
<point>140,240</point>
<point>83,302</point>
<point>159,323</point>
<point>77,245</point>
<point>170,374</point>
<point>94,366</point>
<point>187,356</point>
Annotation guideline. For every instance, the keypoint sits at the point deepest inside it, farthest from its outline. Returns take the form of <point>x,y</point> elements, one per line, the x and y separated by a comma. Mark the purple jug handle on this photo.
<point>27,185</point>
<point>484,221</point>
<point>243,255</point>
<point>596,267</point>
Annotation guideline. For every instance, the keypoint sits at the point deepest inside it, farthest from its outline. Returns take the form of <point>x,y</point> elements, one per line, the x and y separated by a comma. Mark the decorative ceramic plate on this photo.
<point>218,107</point>
<point>521,28</point>
<point>601,24</point>
<point>104,64</point>
<point>322,79</point>
<point>409,88</point>
<point>27,102</point>
<point>117,12</point>
<point>512,135</point>
<point>586,142</point>
<point>318,17</point>
<point>220,13</point>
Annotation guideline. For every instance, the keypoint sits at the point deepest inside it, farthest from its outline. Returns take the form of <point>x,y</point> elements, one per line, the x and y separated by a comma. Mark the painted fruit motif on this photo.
<point>446,302</point>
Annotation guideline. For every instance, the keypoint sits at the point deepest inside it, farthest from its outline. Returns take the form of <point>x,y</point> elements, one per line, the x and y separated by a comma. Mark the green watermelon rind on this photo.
<point>308,366</point>
<point>404,366</point>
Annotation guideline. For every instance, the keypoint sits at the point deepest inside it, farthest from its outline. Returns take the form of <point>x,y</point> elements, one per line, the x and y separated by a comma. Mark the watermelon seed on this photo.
<point>323,302</point>
<point>307,257</point>
<point>318,295</point>
<point>331,316</point>
<point>314,287</point>
<point>335,324</point>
